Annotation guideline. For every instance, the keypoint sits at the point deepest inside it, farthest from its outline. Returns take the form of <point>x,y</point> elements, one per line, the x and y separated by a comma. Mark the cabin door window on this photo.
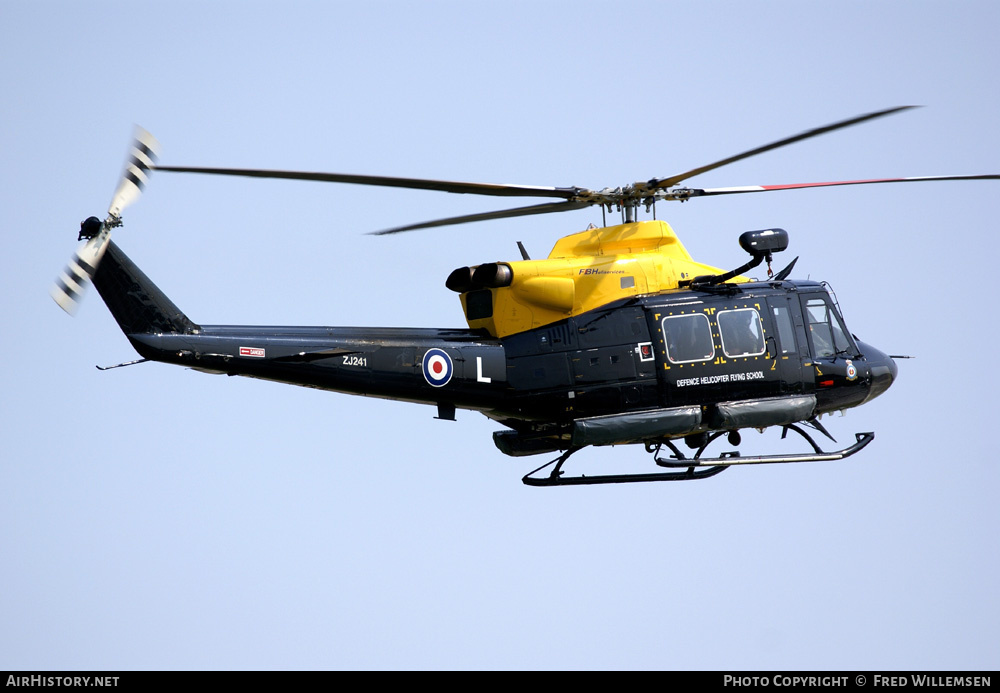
<point>688,338</point>
<point>741,333</point>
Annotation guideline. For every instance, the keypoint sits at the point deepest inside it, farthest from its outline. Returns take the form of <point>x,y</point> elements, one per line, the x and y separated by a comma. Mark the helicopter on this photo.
<point>617,337</point>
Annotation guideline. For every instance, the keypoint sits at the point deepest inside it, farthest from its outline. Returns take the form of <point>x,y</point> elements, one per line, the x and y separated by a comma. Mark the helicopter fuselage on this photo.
<point>645,368</point>
<point>618,336</point>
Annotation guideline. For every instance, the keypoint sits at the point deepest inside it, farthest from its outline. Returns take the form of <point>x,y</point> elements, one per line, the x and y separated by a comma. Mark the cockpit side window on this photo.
<point>688,338</point>
<point>825,331</point>
<point>741,332</point>
<point>786,333</point>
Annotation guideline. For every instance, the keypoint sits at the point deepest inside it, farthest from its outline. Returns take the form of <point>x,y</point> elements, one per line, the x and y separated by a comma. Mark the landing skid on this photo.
<point>708,466</point>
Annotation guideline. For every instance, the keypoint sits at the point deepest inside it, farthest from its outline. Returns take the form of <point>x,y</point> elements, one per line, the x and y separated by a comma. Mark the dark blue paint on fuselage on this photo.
<point>612,360</point>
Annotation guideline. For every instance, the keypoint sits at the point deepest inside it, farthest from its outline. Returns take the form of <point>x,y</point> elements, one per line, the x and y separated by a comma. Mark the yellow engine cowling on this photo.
<point>584,271</point>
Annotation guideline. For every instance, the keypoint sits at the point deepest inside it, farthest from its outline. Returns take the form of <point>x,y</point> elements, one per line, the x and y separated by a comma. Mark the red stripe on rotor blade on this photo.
<point>838,182</point>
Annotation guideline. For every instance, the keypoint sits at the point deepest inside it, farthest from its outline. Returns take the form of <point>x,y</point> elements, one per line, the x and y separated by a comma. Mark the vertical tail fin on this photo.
<point>134,300</point>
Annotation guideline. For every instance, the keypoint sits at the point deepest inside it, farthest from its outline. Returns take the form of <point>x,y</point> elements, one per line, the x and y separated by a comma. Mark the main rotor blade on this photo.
<point>503,214</point>
<point>706,192</point>
<point>674,180</point>
<point>496,189</point>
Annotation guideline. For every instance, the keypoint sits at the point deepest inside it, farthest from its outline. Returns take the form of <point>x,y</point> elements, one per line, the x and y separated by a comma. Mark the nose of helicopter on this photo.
<point>882,369</point>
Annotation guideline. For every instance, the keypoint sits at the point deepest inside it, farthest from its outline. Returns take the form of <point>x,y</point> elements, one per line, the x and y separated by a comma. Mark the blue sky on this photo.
<point>157,518</point>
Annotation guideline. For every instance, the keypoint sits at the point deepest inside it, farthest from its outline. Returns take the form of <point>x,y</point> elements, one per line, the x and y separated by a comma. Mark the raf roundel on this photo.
<point>437,367</point>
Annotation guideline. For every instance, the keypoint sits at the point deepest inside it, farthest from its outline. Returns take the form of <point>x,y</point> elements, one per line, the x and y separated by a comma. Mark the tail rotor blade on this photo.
<point>142,157</point>
<point>72,281</point>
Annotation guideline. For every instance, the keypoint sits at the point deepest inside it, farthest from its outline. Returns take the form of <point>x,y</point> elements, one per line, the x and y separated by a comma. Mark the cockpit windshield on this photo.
<point>826,331</point>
